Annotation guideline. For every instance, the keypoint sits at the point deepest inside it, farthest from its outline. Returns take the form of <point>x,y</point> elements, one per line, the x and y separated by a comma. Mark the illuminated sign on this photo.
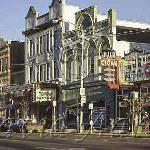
<point>110,67</point>
<point>107,54</point>
<point>108,62</point>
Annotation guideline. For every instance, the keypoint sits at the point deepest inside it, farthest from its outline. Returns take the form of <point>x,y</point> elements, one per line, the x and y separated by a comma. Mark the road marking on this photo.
<point>45,148</point>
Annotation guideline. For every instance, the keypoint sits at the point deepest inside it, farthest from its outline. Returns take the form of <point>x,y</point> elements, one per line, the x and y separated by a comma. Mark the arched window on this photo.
<point>69,59</point>
<point>78,55</point>
<point>91,55</point>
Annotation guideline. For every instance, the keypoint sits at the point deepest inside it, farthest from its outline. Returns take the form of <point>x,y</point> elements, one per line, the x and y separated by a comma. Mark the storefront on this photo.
<point>99,106</point>
<point>45,104</point>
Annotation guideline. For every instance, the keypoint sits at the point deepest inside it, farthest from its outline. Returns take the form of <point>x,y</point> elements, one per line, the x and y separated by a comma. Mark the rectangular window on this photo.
<point>139,64</point>
<point>3,64</point>
<point>41,45</point>
<point>6,63</point>
<point>51,41</point>
<point>34,48</point>
<point>37,74</point>
<point>37,45</point>
<point>41,72</point>
<point>48,71</point>
<point>44,43</point>
<point>31,47</point>
<point>44,72</point>
<point>47,38</point>
<point>129,66</point>
<point>143,90</point>
<point>31,74</point>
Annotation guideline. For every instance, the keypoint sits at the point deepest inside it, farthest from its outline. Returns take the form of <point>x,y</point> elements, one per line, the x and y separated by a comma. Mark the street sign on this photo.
<point>90,105</point>
<point>83,99</point>
<point>54,103</point>
<point>82,91</point>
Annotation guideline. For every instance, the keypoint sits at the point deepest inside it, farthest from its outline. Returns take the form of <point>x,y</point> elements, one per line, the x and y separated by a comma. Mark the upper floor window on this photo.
<point>41,45</point>
<point>32,47</point>
<point>47,42</point>
<point>37,45</point>
<point>48,71</point>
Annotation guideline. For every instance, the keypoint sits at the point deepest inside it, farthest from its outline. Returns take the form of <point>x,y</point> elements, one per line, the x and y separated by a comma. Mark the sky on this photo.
<point>13,12</point>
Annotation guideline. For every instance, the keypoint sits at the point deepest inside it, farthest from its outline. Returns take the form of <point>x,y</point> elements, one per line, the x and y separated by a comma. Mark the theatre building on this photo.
<point>89,59</point>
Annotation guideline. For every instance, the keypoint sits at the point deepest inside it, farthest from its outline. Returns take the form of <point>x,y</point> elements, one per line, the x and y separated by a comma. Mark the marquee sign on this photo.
<point>109,64</point>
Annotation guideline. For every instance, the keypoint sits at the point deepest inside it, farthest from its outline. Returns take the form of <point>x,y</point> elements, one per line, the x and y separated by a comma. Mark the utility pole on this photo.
<point>82,89</point>
<point>54,115</point>
<point>134,98</point>
<point>132,127</point>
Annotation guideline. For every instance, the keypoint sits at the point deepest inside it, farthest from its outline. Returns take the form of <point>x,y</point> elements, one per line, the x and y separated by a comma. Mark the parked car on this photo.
<point>18,125</point>
<point>4,125</point>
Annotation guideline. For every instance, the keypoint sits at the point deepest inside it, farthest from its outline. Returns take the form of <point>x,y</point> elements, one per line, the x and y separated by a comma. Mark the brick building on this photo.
<point>11,68</point>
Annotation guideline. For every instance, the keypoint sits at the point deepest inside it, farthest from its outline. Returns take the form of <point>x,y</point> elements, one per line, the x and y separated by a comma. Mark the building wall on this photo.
<point>135,69</point>
<point>43,48</point>
<point>17,63</point>
<point>4,63</point>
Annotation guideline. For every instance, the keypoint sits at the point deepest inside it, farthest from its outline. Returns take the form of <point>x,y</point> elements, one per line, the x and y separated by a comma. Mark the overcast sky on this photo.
<point>12,12</point>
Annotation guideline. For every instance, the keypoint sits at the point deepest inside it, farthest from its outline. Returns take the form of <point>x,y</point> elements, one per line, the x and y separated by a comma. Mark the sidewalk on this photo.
<point>74,135</point>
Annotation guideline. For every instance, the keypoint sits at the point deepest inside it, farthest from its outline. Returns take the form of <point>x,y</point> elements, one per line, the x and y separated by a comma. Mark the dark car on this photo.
<point>4,125</point>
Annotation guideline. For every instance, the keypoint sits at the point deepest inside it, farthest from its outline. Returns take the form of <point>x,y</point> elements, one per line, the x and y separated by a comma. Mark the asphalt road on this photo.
<point>69,143</point>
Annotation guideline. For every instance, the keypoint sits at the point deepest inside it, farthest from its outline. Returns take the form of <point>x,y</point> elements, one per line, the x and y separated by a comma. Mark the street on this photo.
<point>69,143</point>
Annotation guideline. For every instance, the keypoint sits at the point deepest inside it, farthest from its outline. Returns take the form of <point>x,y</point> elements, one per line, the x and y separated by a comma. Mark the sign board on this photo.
<point>83,99</point>
<point>45,95</point>
<point>108,62</point>
<point>82,91</point>
<point>90,105</point>
<point>54,103</point>
<point>109,65</point>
